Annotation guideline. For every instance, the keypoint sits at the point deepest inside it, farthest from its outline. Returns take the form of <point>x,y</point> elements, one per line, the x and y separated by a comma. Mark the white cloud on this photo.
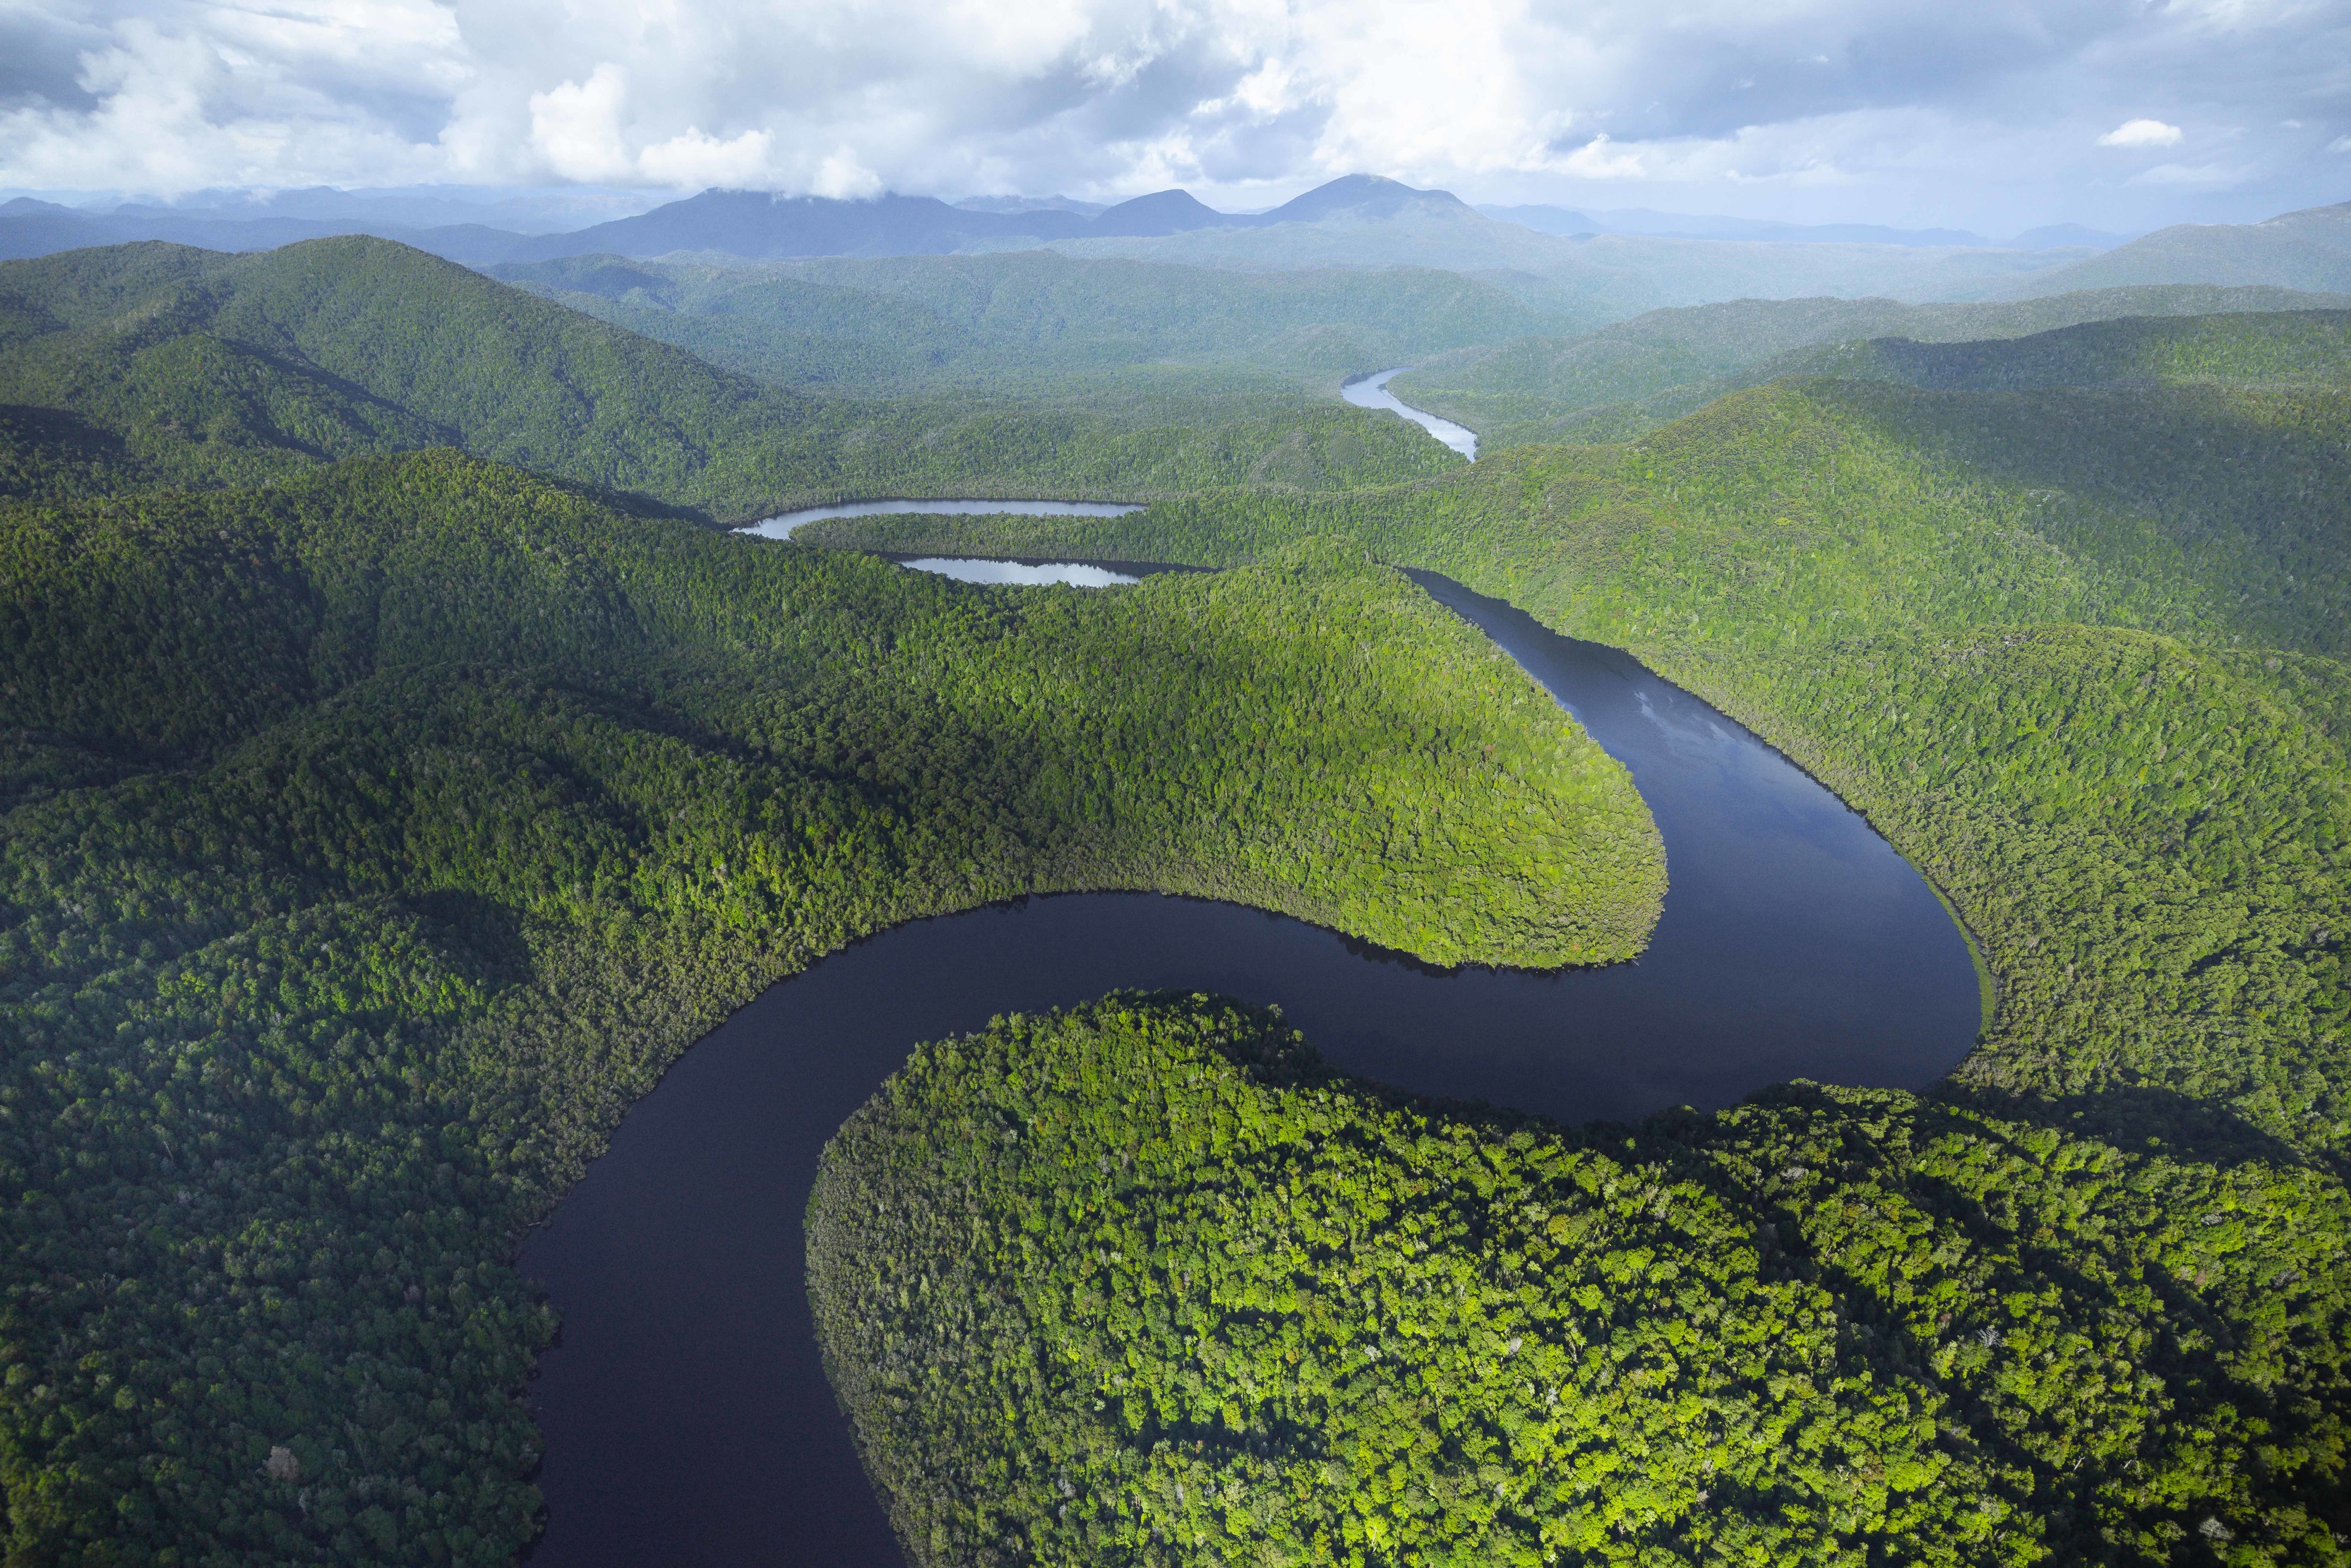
<point>2340,144</point>
<point>576,127</point>
<point>2142,133</point>
<point>1894,102</point>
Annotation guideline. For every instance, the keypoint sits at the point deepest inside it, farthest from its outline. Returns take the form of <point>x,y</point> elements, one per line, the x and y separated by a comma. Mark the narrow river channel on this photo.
<point>1371,392</point>
<point>686,1414</point>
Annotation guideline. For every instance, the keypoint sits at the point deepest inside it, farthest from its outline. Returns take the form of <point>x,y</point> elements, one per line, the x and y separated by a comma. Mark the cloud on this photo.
<point>2142,133</point>
<point>1891,107</point>
<point>2340,144</point>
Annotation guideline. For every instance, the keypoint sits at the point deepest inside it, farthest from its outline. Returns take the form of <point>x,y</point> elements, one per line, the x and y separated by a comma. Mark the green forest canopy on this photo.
<point>1630,378</point>
<point>2077,652</point>
<point>158,367</point>
<point>373,840</point>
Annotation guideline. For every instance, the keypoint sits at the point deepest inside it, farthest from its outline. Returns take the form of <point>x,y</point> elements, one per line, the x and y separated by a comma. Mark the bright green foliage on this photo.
<point>157,366</point>
<point>1628,379</point>
<point>376,838</point>
<point>1141,1283</point>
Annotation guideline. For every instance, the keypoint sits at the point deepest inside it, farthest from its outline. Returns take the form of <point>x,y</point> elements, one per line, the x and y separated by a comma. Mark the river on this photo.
<point>782,525</point>
<point>686,1412</point>
<point>1371,392</point>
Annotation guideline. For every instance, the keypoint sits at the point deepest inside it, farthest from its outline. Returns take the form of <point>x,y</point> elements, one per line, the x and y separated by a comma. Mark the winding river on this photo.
<point>686,1411</point>
<point>1371,392</point>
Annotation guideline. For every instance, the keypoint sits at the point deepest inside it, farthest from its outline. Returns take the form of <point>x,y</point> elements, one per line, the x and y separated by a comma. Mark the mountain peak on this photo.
<point>1361,195</point>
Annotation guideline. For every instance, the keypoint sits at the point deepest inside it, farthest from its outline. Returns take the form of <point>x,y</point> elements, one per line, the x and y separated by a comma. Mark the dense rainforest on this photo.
<point>1630,378</point>
<point>2078,650</point>
<point>378,819</point>
<point>375,838</point>
<point>159,367</point>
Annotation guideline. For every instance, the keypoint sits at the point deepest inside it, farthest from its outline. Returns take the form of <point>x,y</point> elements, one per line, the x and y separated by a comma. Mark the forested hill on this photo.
<point>2189,477</point>
<point>1625,380</point>
<point>992,321</point>
<point>371,841</point>
<point>2078,652</point>
<point>155,366</point>
<point>2298,349</point>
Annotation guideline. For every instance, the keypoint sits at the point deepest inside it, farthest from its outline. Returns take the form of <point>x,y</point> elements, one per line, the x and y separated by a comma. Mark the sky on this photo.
<point>1985,114</point>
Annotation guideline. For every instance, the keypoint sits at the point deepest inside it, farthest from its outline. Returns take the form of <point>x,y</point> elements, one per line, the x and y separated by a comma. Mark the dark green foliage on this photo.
<point>1141,1283</point>
<point>155,365</point>
<point>376,840</point>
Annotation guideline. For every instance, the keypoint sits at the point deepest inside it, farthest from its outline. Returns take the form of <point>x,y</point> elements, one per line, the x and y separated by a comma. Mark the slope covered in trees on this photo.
<point>1142,1283</point>
<point>154,366</point>
<point>372,840</point>
<point>1030,321</point>
<point>1625,380</point>
<point>2093,686</point>
<point>2078,650</point>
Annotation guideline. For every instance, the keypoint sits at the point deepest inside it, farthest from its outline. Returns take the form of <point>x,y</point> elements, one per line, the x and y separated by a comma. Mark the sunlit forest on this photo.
<point>400,764</point>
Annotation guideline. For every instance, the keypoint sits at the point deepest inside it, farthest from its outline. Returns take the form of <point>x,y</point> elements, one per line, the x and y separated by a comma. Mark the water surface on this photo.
<point>1371,392</point>
<point>686,1416</point>
<point>781,526</point>
<point>1026,574</point>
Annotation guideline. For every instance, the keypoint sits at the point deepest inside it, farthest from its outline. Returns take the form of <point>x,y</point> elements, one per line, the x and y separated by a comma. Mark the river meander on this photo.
<point>1371,392</point>
<point>687,1414</point>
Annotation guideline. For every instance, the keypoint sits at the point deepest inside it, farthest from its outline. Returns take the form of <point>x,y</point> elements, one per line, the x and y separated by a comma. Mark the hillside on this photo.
<point>2310,249</point>
<point>374,839</point>
<point>1218,1303</point>
<point>1596,280</point>
<point>1030,321</point>
<point>1623,380</point>
<point>2018,630</point>
<point>2087,1302</point>
<point>154,366</point>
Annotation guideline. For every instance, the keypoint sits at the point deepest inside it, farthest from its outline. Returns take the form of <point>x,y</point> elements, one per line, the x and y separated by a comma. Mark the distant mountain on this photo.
<point>762,225</point>
<point>2055,236</point>
<point>1544,220</point>
<point>1031,205</point>
<point>1363,197</point>
<point>30,229</point>
<point>1686,225</point>
<point>406,209</point>
<point>1161,213</point>
<point>1593,280</point>
<point>2307,250</point>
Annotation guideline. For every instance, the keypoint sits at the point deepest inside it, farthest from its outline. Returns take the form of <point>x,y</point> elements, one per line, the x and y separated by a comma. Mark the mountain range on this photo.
<point>1593,268</point>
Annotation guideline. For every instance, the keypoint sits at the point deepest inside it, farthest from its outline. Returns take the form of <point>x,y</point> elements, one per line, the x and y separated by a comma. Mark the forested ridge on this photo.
<point>1628,379</point>
<point>375,838</point>
<point>161,367</point>
<point>2095,1291</point>
<point>1143,1282</point>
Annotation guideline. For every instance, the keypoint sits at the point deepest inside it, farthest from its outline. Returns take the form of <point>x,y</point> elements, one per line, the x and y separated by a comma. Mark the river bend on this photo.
<point>686,1412</point>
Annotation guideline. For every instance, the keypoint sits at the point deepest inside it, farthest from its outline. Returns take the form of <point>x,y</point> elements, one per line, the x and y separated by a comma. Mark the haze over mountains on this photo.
<point>1586,268</point>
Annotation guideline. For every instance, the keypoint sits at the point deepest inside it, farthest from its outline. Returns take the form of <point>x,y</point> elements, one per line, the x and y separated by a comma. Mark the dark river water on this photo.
<point>686,1416</point>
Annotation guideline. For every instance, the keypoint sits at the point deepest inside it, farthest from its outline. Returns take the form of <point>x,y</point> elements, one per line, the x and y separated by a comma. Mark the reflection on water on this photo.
<point>782,526</point>
<point>1077,574</point>
<point>687,1414</point>
<point>1371,392</point>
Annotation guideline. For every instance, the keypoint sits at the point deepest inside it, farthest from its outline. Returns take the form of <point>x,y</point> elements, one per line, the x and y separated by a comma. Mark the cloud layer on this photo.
<point>2006,110</point>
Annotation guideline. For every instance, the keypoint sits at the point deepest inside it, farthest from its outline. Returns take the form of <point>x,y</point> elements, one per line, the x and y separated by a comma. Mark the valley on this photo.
<point>1754,974</point>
